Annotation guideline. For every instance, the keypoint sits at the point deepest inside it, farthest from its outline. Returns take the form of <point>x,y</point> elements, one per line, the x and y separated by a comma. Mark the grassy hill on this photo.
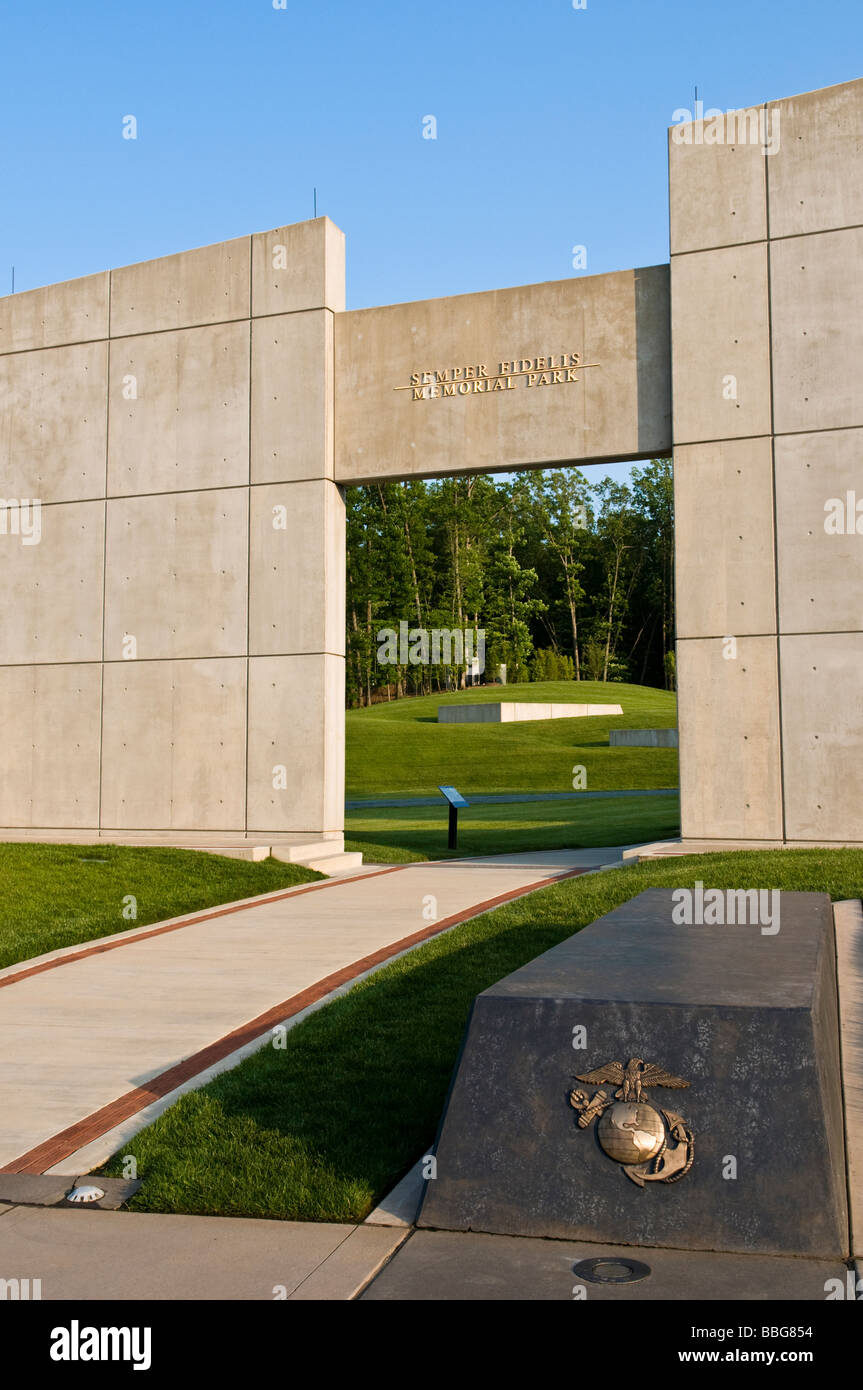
<point>398,747</point>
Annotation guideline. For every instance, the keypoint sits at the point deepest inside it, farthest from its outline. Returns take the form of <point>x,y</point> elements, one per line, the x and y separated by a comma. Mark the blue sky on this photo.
<point>551,127</point>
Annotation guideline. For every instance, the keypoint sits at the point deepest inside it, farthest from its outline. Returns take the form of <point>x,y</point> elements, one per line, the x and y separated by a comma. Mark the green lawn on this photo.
<point>322,1129</point>
<point>400,834</point>
<point>61,895</point>
<point>399,746</point>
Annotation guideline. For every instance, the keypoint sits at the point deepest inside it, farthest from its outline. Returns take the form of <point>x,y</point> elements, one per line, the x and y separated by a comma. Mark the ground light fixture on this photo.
<point>611,1271</point>
<point>87,1192</point>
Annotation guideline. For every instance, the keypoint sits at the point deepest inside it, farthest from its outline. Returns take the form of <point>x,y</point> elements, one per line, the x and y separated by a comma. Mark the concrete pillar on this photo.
<point>767,331</point>
<point>297,568</point>
<point>172,648</point>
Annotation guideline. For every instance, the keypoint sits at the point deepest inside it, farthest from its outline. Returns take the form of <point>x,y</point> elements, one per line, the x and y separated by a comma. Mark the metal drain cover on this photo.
<point>611,1270</point>
<point>85,1193</point>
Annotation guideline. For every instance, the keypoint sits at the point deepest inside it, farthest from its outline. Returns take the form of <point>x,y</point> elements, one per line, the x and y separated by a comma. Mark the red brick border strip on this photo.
<point>129,938</point>
<point>68,1141</point>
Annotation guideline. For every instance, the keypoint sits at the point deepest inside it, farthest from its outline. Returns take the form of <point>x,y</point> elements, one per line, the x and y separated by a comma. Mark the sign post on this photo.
<point>454,800</point>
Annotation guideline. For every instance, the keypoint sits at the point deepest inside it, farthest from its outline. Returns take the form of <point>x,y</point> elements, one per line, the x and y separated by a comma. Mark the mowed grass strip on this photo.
<point>64,895</point>
<point>400,834</point>
<point>322,1129</point>
<point>399,747</point>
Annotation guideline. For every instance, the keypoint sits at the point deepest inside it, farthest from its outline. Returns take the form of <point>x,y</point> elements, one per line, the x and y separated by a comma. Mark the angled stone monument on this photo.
<point>653,1083</point>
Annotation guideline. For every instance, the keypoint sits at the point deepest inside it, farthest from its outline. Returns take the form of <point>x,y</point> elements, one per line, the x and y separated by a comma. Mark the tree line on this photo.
<point>568,580</point>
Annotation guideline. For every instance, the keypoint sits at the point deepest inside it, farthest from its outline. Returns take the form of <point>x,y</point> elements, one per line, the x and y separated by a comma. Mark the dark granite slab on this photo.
<point>748,1019</point>
<point>457,1267</point>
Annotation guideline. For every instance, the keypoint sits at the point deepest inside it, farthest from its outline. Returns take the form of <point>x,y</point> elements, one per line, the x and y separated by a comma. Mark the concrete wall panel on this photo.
<point>175,462</point>
<point>296,722</point>
<point>720,344</point>
<point>617,409</point>
<point>174,745</point>
<point>730,779</point>
<point>298,267</point>
<point>52,591</point>
<point>723,508</point>
<point>209,285</point>
<point>822,730</point>
<point>177,575</point>
<point>50,721</point>
<point>297,569</point>
<point>718,192</point>
<point>292,405</point>
<point>816,183</point>
<point>53,417</point>
<point>73,312</point>
<point>820,570</point>
<point>817,305</point>
<point>189,424</point>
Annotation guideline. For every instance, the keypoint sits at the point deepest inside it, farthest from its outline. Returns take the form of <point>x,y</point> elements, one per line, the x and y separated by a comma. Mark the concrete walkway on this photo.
<point>85,1253</point>
<point>96,1040</point>
<point>504,798</point>
<point>82,1253</point>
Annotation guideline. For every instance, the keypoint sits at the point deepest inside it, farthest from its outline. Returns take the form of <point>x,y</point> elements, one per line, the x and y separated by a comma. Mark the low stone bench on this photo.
<point>643,738</point>
<point>510,713</point>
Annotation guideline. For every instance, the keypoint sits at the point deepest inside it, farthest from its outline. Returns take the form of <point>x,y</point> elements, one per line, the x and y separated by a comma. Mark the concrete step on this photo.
<point>302,851</point>
<point>345,862</point>
<point>667,849</point>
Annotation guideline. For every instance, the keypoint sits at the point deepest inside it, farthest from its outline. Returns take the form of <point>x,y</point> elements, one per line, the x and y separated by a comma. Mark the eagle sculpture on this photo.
<point>634,1078</point>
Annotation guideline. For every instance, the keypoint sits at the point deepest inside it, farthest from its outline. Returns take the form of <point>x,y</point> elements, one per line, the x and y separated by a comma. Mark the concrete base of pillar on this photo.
<point>324,852</point>
<point>665,849</point>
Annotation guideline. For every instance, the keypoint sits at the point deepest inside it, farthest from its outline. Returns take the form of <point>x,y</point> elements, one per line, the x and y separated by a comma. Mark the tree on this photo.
<point>562,505</point>
<point>570,580</point>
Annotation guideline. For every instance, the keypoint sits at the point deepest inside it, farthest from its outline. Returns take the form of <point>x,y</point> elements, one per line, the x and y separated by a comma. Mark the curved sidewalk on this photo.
<point>98,1039</point>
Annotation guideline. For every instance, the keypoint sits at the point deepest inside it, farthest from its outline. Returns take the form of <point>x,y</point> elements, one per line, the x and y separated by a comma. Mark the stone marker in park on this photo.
<point>657,1082</point>
<point>175,436</point>
<point>643,738</point>
<point>513,712</point>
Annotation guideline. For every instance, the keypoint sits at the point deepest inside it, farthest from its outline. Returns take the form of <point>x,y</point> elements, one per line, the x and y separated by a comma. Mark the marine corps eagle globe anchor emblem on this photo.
<point>636,1134</point>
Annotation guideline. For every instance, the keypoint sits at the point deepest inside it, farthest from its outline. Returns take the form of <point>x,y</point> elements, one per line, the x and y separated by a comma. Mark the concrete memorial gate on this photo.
<point>177,433</point>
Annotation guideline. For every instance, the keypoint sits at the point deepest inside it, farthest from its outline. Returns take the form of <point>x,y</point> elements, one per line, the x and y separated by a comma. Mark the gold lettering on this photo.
<point>474,379</point>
